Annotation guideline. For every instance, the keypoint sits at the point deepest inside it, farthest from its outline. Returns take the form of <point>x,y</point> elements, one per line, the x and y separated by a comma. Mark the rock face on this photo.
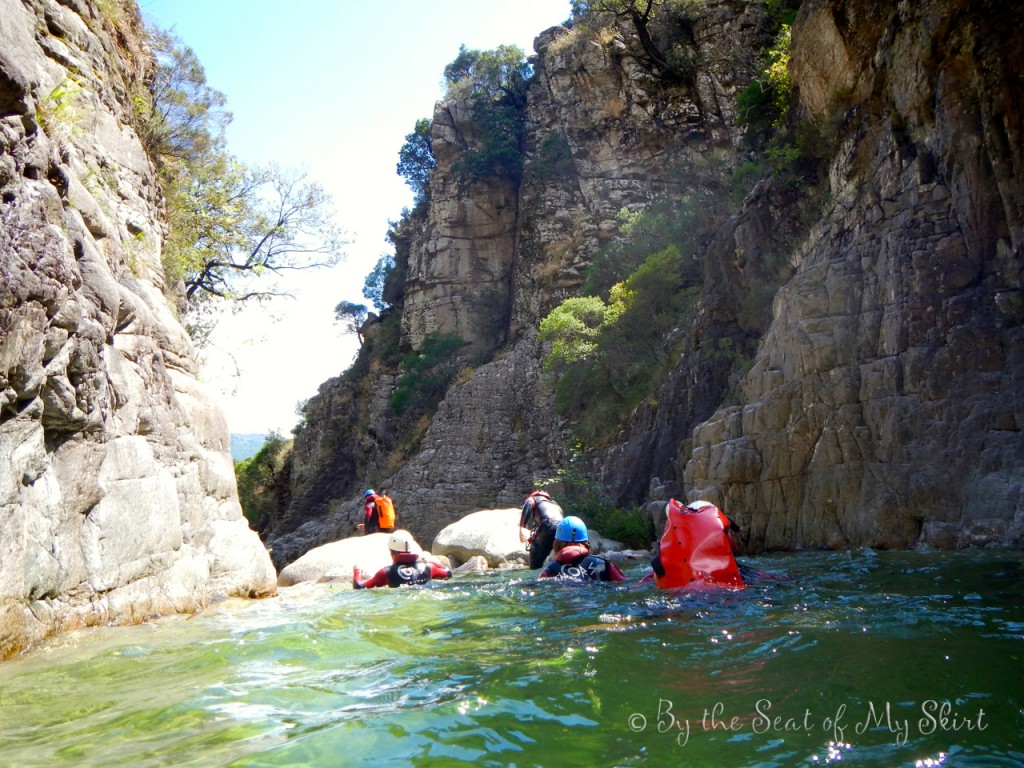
<point>117,491</point>
<point>516,253</point>
<point>466,239</point>
<point>884,404</point>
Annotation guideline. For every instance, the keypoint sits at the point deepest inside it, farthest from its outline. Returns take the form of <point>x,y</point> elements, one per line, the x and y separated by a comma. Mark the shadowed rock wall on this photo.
<point>885,406</point>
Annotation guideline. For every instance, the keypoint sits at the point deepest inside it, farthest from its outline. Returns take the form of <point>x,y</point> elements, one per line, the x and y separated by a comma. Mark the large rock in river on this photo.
<point>337,559</point>
<point>490,533</point>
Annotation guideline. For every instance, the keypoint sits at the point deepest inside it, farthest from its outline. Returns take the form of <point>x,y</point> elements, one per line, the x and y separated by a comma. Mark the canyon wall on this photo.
<point>885,405</point>
<point>876,400</point>
<point>117,491</point>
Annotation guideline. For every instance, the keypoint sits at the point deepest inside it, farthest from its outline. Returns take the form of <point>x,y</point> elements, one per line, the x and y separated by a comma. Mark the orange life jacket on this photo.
<point>695,548</point>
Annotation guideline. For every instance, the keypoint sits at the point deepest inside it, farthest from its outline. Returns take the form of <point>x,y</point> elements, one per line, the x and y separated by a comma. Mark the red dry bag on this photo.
<point>695,548</point>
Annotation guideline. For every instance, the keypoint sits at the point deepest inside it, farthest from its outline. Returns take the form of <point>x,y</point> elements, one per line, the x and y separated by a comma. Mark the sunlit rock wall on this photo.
<point>117,491</point>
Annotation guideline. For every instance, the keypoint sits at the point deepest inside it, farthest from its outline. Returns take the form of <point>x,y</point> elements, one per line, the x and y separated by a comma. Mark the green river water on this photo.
<point>860,658</point>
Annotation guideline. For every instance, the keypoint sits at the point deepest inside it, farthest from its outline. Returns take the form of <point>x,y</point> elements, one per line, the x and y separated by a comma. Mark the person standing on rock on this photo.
<point>409,566</point>
<point>378,513</point>
<point>573,559</point>
<point>540,516</point>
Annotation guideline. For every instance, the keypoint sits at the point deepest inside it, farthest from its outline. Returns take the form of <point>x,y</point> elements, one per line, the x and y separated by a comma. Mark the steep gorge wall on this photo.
<point>117,491</point>
<point>491,261</point>
<point>632,137</point>
<point>886,405</point>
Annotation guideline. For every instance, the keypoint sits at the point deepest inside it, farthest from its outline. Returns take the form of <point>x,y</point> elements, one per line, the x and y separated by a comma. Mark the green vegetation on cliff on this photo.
<point>613,344</point>
<point>426,374</point>
<point>494,84</point>
<point>416,160</point>
<point>262,480</point>
<point>230,227</point>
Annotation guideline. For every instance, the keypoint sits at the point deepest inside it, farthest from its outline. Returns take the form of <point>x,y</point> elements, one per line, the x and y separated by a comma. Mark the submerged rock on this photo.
<point>475,564</point>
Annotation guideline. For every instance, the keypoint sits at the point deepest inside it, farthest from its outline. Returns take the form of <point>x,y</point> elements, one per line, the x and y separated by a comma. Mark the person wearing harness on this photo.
<point>540,516</point>
<point>573,559</point>
<point>409,566</point>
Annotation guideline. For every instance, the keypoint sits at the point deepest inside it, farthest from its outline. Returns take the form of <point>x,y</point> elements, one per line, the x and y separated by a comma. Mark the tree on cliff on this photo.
<point>611,348</point>
<point>352,315</point>
<point>494,85</point>
<point>416,159</point>
<point>230,227</point>
<point>639,13</point>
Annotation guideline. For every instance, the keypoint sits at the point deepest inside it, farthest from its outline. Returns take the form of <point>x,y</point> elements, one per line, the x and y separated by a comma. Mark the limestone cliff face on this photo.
<point>467,239</point>
<point>884,404</point>
<point>117,491</point>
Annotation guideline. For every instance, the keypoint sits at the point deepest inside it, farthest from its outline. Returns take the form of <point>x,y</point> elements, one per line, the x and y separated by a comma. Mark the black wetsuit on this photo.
<point>585,568</point>
<point>545,514</point>
<point>401,574</point>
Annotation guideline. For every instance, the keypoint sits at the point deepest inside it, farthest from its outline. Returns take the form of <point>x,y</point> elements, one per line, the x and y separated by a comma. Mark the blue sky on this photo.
<point>330,87</point>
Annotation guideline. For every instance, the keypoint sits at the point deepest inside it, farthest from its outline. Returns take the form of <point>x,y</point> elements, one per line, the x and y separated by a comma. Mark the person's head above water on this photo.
<point>571,530</point>
<point>403,542</point>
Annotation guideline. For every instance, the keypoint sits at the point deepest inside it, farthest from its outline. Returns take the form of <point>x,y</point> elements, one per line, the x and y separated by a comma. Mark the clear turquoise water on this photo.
<point>851,658</point>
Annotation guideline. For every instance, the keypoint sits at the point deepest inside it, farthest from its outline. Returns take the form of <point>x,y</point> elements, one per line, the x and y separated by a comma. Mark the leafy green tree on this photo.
<point>608,355</point>
<point>640,14</point>
<point>373,287</point>
<point>416,159</point>
<point>234,230</point>
<point>259,479</point>
<point>494,84</point>
<point>427,373</point>
<point>572,328</point>
<point>230,227</point>
<point>663,223</point>
<point>766,105</point>
<point>184,118</point>
<point>499,75</point>
<point>351,316</point>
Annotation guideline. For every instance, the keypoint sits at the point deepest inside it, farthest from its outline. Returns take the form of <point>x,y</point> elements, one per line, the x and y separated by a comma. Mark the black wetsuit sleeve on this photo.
<point>657,567</point>
<point>524,518</point>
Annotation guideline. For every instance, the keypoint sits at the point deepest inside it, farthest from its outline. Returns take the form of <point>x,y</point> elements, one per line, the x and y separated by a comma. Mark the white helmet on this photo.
<point>402,541</point>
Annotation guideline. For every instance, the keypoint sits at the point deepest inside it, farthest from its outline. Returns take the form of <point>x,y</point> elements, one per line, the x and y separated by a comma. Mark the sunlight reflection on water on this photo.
<point>837,661</point>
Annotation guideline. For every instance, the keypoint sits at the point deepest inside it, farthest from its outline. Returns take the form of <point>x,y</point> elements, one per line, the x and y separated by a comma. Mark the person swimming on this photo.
<point>409,566</point>
<point>572,556</point>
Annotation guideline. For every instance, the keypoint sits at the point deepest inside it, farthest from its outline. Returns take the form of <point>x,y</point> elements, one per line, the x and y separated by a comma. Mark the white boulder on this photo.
<point>336,560</point>
<point>490,533</point>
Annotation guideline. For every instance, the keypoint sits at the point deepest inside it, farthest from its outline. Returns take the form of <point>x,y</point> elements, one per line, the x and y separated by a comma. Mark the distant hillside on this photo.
<point>246,446</point>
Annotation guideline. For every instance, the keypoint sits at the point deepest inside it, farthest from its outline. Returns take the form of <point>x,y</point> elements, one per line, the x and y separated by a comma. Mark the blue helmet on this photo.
<point>571,529</point>
<point>369,493</point>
